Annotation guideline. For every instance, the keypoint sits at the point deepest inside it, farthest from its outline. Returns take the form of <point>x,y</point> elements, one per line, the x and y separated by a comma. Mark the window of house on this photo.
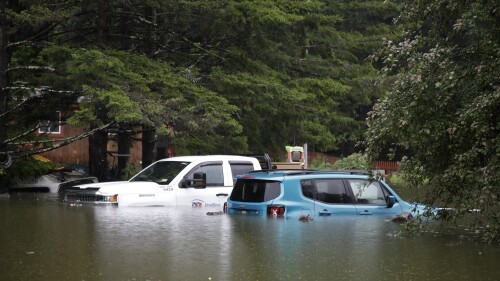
<point>51,126</point>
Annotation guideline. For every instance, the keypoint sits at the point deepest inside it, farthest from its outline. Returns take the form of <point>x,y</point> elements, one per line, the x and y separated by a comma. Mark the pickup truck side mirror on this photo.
<point>199,180</point>
<point>391,200</point>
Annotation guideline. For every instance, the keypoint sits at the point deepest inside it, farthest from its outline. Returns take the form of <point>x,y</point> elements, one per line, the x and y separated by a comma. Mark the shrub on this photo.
<point>356,161</point>
<point>23,168</point>
<point>320,164</point>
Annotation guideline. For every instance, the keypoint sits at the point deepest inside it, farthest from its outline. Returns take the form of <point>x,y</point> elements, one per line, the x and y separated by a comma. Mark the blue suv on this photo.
<point>307,193</point>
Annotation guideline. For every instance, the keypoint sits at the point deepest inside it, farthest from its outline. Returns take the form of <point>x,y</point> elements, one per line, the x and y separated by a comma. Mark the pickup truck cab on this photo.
<point>197,181</point>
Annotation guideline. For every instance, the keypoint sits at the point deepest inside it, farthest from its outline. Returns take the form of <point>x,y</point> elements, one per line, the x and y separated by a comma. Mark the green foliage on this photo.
<point>231,76</point>
<point>356,161</point>
<point>24,168</point>
<point>442,109</point>
<point>129,88</point>
<point>298,81</point>
<point>319,163</point>
<point>398,179</point>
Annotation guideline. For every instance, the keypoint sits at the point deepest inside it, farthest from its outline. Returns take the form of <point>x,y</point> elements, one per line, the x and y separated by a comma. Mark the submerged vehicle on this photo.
<point>196,181</point>
<point>308,194</point>
<point>57,181</point>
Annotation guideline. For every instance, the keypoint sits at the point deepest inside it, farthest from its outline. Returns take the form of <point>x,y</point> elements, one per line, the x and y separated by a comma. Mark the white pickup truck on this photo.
<point>186,180</point>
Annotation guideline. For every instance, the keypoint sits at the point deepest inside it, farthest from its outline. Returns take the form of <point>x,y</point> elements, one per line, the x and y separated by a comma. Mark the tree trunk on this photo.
<point>151,31</point>
<point>4,80</point>
<point>126,21</point>
<point>98,161</point>
<point>123,154</point>
<point>124,134</point>
<point>149,132</point>
<point>103,24</point>
<point>148,145</point>
<point>98,143</point>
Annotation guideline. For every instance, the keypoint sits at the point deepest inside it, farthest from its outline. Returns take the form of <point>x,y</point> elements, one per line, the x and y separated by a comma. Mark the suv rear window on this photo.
<point>255,190</point>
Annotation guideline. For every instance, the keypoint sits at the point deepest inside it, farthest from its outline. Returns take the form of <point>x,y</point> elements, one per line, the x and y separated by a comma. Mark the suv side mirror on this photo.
<point>199,180</point>
<point>390,200</point>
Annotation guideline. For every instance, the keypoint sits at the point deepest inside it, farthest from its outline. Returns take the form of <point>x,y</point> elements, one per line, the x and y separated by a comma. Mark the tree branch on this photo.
<point>30,131</point>
<point>26,43</point>
<point>31,67</point>
<point>38,93</point>
<point>40,90</point>
<point>66,141</point>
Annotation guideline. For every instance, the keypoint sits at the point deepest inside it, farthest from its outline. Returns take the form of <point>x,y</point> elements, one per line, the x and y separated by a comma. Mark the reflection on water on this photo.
<point>45,239</point>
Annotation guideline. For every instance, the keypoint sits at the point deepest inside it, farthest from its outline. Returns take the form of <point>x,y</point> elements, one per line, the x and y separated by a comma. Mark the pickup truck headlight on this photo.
<point>112,198</point>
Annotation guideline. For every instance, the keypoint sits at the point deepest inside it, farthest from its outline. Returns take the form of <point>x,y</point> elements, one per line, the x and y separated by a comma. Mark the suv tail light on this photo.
<point>276,211</point>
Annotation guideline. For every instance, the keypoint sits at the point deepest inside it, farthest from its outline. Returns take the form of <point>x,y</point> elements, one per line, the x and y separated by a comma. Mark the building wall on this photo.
<point>73,153</point>
<point>78,152</point>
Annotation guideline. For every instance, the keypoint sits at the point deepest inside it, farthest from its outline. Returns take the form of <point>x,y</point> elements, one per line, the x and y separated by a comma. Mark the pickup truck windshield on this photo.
<point>161,172</point>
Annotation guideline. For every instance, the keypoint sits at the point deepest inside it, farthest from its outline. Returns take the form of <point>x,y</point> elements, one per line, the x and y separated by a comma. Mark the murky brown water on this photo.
<point>42,238</point>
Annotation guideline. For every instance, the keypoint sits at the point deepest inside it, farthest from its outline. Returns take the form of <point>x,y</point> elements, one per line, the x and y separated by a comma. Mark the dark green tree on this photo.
<point>292,75</point>
<point>230,76</point>
<point>298,71</point>
<point>29,82</point>
<point>442,109</point>
<point>65,50</point>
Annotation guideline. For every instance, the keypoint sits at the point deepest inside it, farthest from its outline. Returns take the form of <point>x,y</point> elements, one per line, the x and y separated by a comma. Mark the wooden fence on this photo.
<point>78,152</point>
<point>388,166</point>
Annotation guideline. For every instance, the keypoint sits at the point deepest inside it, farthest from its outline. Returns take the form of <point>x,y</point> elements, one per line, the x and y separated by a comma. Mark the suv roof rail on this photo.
<point>352,172</point>
<point>310,171</point>
<point>285,172</point>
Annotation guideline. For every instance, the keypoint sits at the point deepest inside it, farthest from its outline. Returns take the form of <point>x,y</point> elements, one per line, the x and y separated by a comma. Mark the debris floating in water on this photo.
<point>215,213</point>
<point>305,218</point>
<point>403,217</point>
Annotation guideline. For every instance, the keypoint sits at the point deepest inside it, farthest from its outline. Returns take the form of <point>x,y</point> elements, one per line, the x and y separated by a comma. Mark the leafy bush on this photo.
<point>441,111</point>
<point>23,168</point>
<point>320,164</point>
<point>356,161</point>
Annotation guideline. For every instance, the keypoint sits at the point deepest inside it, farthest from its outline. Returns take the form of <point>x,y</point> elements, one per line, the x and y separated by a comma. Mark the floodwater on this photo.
<point>42,238</point>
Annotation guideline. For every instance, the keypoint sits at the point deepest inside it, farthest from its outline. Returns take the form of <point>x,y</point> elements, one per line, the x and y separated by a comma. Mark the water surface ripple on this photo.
<point>42,238</point>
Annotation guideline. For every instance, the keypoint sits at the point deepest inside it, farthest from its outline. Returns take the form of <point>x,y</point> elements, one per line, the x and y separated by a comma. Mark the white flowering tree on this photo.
<point>442,112</point>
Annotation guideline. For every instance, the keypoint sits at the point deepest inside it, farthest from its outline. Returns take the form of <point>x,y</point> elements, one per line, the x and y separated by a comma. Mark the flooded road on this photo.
<point>42,238</point>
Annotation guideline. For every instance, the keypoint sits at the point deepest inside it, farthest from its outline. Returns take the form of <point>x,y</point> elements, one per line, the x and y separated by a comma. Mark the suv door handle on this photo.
<point>324,213</point>
<point>221,194</point>
<point>365,212</point>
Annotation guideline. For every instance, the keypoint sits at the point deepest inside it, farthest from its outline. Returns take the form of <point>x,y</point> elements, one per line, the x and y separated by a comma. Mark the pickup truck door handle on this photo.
<point>221,194</point>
